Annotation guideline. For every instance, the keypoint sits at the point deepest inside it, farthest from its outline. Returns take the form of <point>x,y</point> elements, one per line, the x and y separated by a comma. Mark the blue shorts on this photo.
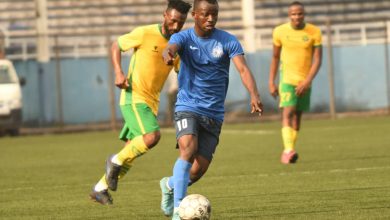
<point>206,129</point>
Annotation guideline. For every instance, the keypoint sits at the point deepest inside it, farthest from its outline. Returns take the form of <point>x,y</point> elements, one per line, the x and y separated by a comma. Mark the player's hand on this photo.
<point>302,87</point>
<point>256,106</point>
<point>121,81</point>
<point>273,90</point>
<point>168,57</point>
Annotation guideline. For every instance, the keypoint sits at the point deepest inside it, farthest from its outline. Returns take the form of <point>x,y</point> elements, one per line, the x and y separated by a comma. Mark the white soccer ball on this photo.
<point>195,207</point>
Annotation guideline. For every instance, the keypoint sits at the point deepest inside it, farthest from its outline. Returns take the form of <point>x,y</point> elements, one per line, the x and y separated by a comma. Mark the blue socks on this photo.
<point>179,181</point>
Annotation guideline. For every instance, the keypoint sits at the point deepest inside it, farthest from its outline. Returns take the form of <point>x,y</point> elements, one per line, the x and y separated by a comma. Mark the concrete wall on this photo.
<point>360,84</point>
<point>359,74</point>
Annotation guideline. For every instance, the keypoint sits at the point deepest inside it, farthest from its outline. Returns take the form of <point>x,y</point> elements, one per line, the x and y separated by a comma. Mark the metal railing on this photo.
<point>342,34</point>
<point>24,48</point>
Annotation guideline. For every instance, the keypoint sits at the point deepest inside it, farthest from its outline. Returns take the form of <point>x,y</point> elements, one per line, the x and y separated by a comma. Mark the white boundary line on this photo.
<point>360,169</point>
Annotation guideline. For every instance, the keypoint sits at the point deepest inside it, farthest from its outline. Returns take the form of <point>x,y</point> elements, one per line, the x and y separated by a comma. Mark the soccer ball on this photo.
<point>195,207</point>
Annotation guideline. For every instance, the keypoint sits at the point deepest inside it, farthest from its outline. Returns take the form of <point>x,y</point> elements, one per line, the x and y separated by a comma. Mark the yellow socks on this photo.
<point>132,150</point>
<point>124,158</point>
<point>294,134</point>
<point>125,168</point>
<point>101,185</point>
<point>289,136</point>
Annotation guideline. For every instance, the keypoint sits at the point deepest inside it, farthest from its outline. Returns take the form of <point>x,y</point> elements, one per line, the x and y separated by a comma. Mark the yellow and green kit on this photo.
<point>146,75</point>
<point>296,60</point>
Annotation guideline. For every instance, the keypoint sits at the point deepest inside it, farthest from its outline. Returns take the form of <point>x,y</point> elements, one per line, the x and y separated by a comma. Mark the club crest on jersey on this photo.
<point>217,51</point>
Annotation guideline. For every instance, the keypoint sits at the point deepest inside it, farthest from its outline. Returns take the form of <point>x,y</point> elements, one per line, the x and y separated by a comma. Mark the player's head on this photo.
<point>175,16</point>
<point>296,13</point>
<point>205,15</point>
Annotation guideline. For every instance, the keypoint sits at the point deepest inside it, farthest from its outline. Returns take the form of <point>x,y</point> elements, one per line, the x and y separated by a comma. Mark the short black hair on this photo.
<point>196,2</point>
<point>296,3</point>
<point>179,5</point>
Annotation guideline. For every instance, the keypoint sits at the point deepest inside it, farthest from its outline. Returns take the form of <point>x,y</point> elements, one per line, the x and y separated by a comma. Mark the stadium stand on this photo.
<point>84,27</point>
<point>17,17</point>
<point>271,13</point>
<point>353,21</point>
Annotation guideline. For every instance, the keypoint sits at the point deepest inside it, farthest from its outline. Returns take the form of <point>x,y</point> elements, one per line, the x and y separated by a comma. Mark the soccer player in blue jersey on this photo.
<point>205,54</point>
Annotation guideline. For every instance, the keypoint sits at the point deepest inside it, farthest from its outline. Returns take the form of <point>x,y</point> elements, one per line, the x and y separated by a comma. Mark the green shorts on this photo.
<point>139,120</point>
<point>289,98</point>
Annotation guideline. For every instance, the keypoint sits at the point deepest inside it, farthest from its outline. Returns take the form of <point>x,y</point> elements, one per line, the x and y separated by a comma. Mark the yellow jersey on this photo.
<point>297,50</point>
<point>147,71</point>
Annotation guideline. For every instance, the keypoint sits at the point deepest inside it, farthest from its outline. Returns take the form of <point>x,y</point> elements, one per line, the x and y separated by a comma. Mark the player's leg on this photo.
<point>303,105</point>
<point>289,135</point>
<point>188,145</point>
<point>136,148</point>
<point>143,130</point>
<point>181,175</point>
<point>288,103</point>
<point>208,138</point>
<point>186,133</point>
<point>125,166</point>
<point>198,169</point>
<point>296,124</point>
<point>288,130</point>
<point>102,184</point>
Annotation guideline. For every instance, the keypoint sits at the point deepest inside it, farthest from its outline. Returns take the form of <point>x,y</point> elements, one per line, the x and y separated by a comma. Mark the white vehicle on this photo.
<point>10,99</point>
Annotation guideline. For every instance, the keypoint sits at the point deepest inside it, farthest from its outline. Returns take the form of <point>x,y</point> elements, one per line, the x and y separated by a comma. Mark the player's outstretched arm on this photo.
<point>249,82</point>
<point>120,78</point>
<point>169,53</point>
<point>273,88</point>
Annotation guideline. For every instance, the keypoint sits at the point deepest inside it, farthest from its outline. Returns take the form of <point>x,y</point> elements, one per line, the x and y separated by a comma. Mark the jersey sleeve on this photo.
<point>317,38</point>
<point>234,47</point>
<point>178,39</point>
<point>276,37</point>
<point>131,40</point>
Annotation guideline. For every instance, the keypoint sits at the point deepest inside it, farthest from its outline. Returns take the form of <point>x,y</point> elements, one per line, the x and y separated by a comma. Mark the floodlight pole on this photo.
<point>43,55</point>
<point>111,82</point>
<point>332,105</point>
<point>248,20</point>
<point>43,52</point>
<point>387,67</point>
<point>60,106</point>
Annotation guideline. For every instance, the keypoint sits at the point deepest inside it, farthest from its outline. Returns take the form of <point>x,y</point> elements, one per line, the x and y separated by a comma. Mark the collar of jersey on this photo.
<point>160,29</point>
<point>304,25</point>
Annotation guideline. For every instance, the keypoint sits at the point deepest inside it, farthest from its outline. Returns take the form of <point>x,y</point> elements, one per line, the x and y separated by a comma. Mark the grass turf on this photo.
<point>343,173</point>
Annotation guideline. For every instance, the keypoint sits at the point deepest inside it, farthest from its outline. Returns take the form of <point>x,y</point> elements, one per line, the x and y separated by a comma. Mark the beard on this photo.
<point>166,30</point>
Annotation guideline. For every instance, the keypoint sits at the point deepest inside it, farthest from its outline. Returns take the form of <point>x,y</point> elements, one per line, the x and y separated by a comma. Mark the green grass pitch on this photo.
<point>343,173</point>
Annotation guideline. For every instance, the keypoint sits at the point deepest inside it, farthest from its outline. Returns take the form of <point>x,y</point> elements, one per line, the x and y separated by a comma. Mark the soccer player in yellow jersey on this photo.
<point>297,48</point>
<point>140,93</point>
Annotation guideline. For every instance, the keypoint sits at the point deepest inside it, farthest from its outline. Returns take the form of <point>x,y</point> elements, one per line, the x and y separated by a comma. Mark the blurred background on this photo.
<point>61,49</point>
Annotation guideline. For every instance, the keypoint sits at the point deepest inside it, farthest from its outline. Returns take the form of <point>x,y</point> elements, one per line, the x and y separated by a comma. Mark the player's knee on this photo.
<point>152,139</point>
<point>288,114</point>
<point>188,152</point>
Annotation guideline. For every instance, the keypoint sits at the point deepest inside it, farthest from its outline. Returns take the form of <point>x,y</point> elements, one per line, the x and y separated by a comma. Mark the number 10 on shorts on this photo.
<point>182,124</point>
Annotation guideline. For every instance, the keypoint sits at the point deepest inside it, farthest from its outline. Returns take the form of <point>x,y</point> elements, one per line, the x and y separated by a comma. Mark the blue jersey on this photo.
<point>204,71</point>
